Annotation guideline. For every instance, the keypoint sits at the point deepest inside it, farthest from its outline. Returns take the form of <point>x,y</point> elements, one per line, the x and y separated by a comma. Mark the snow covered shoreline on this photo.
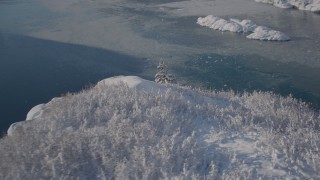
<point>130,128</point>
<point>305,5</point>
<point>244,26</point>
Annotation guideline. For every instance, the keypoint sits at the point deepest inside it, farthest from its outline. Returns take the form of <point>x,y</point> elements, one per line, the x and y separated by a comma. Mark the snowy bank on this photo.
<point>244,26</point>
<point>131,128</point>
<point>39,112</point>
<point>306,5</point>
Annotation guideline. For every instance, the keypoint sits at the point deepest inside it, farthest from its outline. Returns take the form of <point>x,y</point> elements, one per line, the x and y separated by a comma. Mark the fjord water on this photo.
<point>33,71</point>
<point>48,48</point>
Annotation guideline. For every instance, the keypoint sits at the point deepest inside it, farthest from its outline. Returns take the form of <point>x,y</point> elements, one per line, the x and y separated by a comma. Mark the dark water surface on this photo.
<point>255,73</point>
<point>33,71</point>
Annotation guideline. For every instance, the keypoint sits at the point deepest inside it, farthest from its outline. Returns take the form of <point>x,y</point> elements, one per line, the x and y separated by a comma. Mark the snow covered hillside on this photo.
<point>130,128</point>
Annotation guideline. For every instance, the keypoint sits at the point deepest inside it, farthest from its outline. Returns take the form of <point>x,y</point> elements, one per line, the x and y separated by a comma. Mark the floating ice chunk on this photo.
<point>265,33</point>
<point>207,21</point>
<point>236,25</point>
<point>224,25</point>
<point>247,25</point>
<point>220,24</point>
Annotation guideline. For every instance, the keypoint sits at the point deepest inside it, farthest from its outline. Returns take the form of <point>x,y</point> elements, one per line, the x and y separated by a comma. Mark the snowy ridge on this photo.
<point>131,128</point>
<point>244,26</point>
<point>306,5</point>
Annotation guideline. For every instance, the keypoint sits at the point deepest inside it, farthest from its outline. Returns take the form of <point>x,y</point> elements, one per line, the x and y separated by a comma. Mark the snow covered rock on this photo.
<point>15,127</point>
<point>244,26</point>
<point>35,112</point>
<point>220,24</point>
<point>306,5</point>
<point>265,33</point>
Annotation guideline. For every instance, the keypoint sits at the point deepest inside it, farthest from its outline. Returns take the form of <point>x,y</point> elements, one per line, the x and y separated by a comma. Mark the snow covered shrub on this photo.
<point>123,131</point>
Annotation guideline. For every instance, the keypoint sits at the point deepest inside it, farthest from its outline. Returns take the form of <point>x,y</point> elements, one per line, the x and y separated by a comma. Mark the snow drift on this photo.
<point>306,5</point>
<point>130,128</point>
<point>244,26</point>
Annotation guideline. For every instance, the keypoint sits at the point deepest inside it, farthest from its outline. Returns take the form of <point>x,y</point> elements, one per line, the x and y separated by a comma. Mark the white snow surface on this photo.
<point>132,82</point>
<point>130,128</point>
<point>244,26</point>
<point>35,112</point>
<point>306,5</point>
<point>233,25</point>
<point>266,33</point>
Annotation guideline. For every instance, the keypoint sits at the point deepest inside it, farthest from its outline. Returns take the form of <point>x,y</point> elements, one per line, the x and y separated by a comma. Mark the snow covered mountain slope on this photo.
<point>130,128</point>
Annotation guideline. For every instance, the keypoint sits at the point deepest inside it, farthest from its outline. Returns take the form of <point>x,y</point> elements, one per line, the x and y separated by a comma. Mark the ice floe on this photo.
<point>242,26</point>
<point>265,33</point>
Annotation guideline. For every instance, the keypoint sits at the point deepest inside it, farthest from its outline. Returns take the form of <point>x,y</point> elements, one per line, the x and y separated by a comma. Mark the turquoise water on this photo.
<point>46,51</point>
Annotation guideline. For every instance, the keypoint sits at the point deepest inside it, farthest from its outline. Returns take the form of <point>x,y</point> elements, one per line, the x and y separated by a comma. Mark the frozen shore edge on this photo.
<point>305,5</point>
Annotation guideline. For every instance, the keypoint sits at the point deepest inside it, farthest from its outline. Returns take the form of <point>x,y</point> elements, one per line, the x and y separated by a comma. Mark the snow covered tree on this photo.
<point>162,76</point>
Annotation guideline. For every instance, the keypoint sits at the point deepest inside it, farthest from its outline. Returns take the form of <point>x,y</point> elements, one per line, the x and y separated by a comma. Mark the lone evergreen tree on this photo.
<point>162,76</point>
